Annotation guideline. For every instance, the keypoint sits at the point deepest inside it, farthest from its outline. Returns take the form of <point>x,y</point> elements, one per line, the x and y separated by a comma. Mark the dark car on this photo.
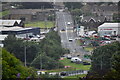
<point>63,73</point>
<point>63,30</point>
<point>86,63</point>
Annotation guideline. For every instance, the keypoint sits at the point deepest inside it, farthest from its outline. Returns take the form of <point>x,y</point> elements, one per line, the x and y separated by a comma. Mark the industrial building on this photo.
<point>111,29</point>
<point>19,32</point>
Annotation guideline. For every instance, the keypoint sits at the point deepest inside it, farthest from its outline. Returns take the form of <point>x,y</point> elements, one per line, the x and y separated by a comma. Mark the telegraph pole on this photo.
<point>25,51</point>
<point>25,54</point>
<point>40,61</point>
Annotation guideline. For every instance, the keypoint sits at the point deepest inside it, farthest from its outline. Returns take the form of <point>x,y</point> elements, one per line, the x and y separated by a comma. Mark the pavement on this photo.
<point>62,19</point>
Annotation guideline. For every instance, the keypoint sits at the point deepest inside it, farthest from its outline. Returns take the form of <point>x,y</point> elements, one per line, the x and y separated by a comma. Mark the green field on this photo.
<point>4,13</point>
<point>76,76</point>
<point>67,62</point>
<point>61,69</point>
<point>79,42</point>
<point>88,48</point>
<point>41,24</point>
<point>73,67</point>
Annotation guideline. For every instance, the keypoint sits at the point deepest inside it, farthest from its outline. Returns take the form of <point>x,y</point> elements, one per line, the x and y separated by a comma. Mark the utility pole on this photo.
<point>25,54</point>
<point>25,51</point>
<point>101,65</point>
<point>40,61</point>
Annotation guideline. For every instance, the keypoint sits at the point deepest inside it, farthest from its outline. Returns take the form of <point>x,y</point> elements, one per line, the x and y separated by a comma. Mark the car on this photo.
<point>63,30</point>
<point>63,73</point>
<point>69,57</point>
<point>70,40</point>
<point>86,63</point>
<point>75,59</point>
<point>68,23</point>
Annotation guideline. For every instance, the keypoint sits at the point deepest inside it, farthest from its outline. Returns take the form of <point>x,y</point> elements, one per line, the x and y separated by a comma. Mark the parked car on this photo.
<point>63,73</point>
<point>86,63</point>
<point>69,57</point>
<point>75,59</point>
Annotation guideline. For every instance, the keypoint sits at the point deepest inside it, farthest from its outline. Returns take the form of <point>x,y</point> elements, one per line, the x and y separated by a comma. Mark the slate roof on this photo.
<point>96,19</point>
<point>110,25</point>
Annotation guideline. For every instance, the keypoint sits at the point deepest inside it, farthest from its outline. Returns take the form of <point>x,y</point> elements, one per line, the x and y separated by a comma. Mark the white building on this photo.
<point>109,29</point>
<point>80,31</point>
<point>2,38</point>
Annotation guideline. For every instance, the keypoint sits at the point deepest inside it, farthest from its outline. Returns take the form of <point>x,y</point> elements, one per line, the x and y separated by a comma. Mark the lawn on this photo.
<point>41,24</point>
<point>73,67</point>
<point>88,48</point>
<point>61,69</point>
<point>4,13</point>
<point>67,62</point>
<point>76,76</point>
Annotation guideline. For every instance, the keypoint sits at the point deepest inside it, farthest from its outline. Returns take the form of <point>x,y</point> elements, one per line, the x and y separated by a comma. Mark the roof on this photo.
<point>110,25</point>
<point>13,28</point>
<point>27,11</point>
<point>2,37</point>
<point>9,22</point>
<point>96,19</point>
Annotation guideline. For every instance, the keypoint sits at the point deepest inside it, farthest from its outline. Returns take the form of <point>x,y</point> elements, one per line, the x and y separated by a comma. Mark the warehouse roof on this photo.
<point>110,25</point>
<point>13,28</point>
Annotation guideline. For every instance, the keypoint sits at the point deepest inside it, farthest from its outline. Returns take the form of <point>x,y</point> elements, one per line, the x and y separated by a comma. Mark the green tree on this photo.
<point>17,47</point>
<point>102,58</point>
<point>73,5</point>
<point>11,66</point>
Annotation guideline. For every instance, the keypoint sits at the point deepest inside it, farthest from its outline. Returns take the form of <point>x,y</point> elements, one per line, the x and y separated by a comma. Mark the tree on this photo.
<point>73,5</point>
<point>114,73</point>
<point>13,68</point>
<point>102,58</point>
<point>44,62</point>
<point>17,47</point>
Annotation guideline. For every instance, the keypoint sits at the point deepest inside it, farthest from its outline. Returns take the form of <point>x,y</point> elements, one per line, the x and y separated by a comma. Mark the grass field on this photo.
<point>79,42</point>
<point>73,67</point>
<point>61,69</point>
<point>76,76</point>
<point>41,24</point>
<point>88,48</point>
<point>4,13</point>
<point>67,62</point>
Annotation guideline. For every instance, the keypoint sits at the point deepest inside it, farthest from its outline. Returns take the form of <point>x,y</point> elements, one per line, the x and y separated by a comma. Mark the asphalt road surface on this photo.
<point>67,34</point>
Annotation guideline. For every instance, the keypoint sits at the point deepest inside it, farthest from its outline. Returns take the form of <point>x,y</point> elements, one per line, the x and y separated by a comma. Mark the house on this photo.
<point>92,21</point>
<point>94,14</point>
<point>28,15</point>
<point>111,29</point>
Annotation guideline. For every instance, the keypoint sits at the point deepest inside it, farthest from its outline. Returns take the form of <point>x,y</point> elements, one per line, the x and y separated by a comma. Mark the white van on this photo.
<point>75,59</point>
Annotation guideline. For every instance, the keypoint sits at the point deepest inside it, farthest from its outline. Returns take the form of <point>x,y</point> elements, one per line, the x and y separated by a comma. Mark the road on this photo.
<point>62,18</point>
